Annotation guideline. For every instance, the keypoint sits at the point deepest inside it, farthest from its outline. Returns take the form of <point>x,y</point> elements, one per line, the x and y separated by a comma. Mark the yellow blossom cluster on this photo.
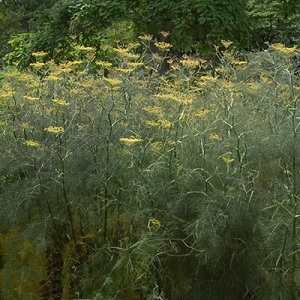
<point>126,54</point>
<point>215,137</point>
<point>37,65</point>
<point>39,54</point>
<point>32,143</point>
<point>61,102</point>
<point>103,64</point>
<point>52,77</point>
<point>178,98</point>
<point>30,98</point>
<point>156,110</point>
<point>84,49</point>
<point>226,157</point>
<point>283,49</point>
<point>190,62</point>
<point>163,123</point>
<point>163,46</point>
<point>155,222</point>
<point>146,37</point>
<point>157,146</point>
<point>201,113</point>
<point>7,94</point>
<point>226,43</point>
<point>112,81</point>
<point>54,129</point>
<point>131,140</point>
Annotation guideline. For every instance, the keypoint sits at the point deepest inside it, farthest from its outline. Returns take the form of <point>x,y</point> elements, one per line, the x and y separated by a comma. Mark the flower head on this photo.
<point>60,102</point>
<point>163,46</point>
<point>54,129</point>
<point>131,140</point>
<point>32,143</point>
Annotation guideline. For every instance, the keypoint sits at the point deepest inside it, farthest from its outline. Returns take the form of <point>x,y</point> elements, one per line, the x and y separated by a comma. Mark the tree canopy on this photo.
<point>194,26</point>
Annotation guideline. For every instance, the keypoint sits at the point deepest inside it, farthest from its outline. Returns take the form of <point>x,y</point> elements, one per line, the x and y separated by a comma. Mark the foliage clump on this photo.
<point>127,183</point>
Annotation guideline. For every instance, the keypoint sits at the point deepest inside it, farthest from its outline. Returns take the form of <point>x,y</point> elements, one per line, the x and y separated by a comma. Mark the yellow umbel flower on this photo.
<point>189,62</point>
<point>31,143</point>
<point>54,129</point>
<point>155,222</point>
<point>163,46</point>
<point>215,137</point>
<point>39,54</point>
<point>285,50</point>
<point>84,49</point>
<point>226,158</point>
<point>146,37</point>
<point>37,65</point>
<point>103,64</point>
<point>7,94</point>
<point>52,78</point>
<point>131,140</point>
<point>31,99</point>
<point>112,81</point>
<point>201,113</point>
<point>226,43</point>
<point>163,123</point>
<point>61,102</point>
<point>125,53</point>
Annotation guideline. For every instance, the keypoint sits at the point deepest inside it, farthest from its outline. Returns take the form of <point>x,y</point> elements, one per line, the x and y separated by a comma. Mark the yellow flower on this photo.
<point>155,222</point>
<point>146,37</point>
<point>253,85</point>
<point>7,94</point>
<point>239,63</point>
<point>112,81</point>
<point>229,85</point>
<point>83,48</point>
<point>134,64</point>
<point>61,102</point>
<point>189,62</point>
<point>54,129</point>
<point>156,110</point>
<point>39,54</point>
<point>226,43</point>
<point>37,65</point>
<point>75,62</point>
<point>201,113</point>
<point>167,97</point>
<point>285,50</point>
<point>227,160</point>
<point>131,140</point>
<point>31,143</point>
<point>103,64</point>
<point>77,91</point>
<point>165,33</point>
<point>124,53</point>
<point>215,137</point>
<point>163,46</point>
<point>52,78</point>
<point>30,98</point>
<point>12,74</point>
<point>125,71</point>
<point>159,123</point>
<point>157,146</point>
<point>265,79</point>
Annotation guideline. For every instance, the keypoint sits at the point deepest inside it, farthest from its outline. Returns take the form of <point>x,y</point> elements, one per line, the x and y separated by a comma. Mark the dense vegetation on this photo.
<point>54,26</point>
<point>123,179</point>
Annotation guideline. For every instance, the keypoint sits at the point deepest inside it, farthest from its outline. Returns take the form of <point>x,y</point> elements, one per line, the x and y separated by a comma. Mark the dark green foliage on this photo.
<point>194,26</point>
